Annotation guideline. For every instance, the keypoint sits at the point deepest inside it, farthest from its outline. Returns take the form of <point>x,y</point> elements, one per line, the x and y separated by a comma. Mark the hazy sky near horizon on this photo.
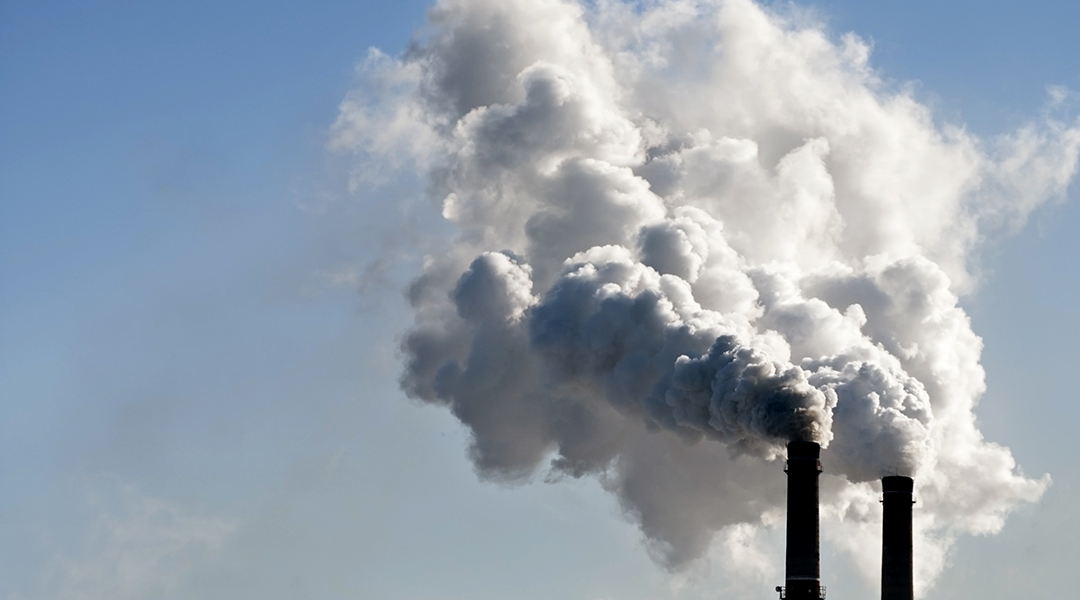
<point>198,321</point>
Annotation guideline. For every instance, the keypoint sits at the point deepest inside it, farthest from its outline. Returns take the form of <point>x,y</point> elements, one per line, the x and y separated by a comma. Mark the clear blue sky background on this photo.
<point>169,224</point>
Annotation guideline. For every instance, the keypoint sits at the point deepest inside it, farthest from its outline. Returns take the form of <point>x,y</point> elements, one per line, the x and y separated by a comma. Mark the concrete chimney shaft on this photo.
<point>803,566</point>
<point>896,550</point>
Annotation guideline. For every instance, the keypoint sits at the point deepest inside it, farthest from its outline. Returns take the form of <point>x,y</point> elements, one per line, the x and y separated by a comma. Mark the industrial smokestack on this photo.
<point>896,552</point>
<point>803,568</point>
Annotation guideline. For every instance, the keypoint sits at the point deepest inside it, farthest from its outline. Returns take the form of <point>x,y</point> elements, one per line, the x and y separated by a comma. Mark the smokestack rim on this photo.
<point>798,449</point>
<point>897,484</point>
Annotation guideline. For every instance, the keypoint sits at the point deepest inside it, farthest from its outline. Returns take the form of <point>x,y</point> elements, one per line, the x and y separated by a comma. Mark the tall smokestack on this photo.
<point>896,553</point>
<point>803,569</point>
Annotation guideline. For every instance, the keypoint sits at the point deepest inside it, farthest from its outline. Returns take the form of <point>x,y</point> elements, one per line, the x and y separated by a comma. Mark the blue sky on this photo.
<point>175,355</point>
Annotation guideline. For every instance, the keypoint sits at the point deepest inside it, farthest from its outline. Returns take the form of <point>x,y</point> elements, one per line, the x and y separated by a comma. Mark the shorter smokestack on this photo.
<point>896,552</point>
<point>802,579</point>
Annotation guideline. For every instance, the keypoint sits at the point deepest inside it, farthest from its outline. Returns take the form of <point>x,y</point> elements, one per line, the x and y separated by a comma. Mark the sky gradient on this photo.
<point>199,321</point>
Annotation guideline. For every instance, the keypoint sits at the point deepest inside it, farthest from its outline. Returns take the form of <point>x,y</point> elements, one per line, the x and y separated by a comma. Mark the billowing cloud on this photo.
<point>686,233</point>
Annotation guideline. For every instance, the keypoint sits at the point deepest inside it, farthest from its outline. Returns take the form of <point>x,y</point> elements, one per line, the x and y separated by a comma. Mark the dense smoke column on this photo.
<point>896,544</point>
<point>660,292</point>
<point>803,566</point>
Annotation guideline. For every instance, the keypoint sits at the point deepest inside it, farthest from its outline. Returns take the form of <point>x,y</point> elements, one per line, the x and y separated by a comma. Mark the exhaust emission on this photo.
<point>803,562</point>
<point>896,550</point>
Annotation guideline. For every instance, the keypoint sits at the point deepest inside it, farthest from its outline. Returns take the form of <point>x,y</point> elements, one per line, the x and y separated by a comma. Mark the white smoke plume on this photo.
<point>687,232</point>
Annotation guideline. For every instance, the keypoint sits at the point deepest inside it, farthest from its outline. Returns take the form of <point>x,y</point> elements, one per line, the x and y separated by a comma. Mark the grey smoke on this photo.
<point>686,233</point>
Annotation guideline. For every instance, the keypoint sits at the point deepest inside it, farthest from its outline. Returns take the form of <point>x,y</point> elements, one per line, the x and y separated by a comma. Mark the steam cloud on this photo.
<point>686,233</point>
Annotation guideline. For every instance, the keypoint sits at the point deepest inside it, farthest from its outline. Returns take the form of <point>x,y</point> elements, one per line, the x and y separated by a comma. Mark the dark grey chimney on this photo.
<point>896,553</point>
<point>803,569</point>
